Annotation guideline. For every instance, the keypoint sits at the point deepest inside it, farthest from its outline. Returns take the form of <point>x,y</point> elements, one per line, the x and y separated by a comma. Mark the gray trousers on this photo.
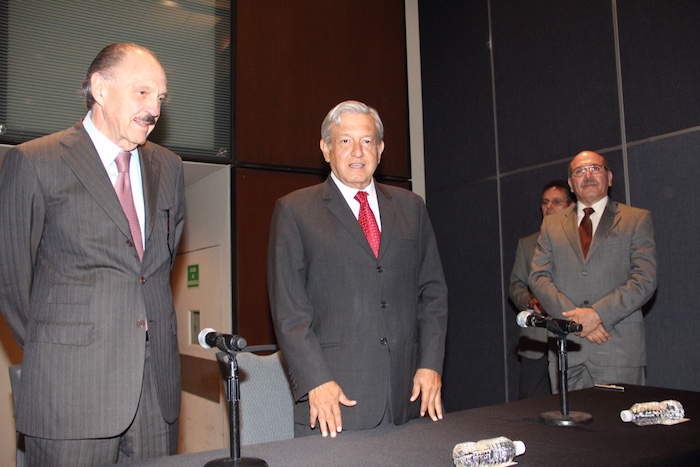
<point>148,436</point>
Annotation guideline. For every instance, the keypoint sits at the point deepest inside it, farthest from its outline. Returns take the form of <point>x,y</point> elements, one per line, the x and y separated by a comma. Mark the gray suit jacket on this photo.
<point>616,279</point>
<point>74,292</point>
<point>533,341</point>
<point>341,314</point>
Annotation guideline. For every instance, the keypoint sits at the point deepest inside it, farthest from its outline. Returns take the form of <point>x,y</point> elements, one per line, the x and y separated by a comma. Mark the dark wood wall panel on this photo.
<point>256,193</point>
<point>296,60</point>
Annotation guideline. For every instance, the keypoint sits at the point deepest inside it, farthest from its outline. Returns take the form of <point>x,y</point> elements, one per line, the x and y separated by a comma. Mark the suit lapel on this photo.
<point>339,208</point>
<point>150,169</point>
<point>81,157</point>
<point>386,212</point>
<point>570,225</point>
<point>608,220</point>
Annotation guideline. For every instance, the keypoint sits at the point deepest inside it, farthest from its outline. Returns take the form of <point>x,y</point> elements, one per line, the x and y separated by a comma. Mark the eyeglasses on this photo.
<point>554,202</point>
<point>594,169</point>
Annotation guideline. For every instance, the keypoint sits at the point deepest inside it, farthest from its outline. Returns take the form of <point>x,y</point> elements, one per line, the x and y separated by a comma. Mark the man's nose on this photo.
<point>153,107</point>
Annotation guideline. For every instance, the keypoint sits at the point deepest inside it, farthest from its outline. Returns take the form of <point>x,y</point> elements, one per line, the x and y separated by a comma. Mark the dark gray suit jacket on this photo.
<point>74,292</point>
<point>341,314</point>
<point>616,279</point>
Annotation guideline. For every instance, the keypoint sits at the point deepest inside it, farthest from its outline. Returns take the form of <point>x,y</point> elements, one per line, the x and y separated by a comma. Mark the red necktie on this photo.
<point>123,189</point>
<point>585,231</point>
<point>368,222</point>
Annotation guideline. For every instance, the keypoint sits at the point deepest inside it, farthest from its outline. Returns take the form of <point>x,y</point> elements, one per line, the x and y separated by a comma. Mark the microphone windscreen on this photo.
<point>202,337</point>
<point>522,317</point>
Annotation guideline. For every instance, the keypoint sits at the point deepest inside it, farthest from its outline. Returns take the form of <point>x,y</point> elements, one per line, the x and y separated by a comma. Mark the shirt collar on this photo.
<point>598,207</point>
<point>350,192</point>
<point>106,149</point>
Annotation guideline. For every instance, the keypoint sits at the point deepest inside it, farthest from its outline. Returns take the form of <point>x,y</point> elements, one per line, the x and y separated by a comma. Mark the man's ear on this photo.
<point>325,150</point>
<point>98,87</point>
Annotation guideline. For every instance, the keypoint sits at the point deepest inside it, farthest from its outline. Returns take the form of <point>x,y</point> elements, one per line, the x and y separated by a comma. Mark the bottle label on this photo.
<point>673,422</point>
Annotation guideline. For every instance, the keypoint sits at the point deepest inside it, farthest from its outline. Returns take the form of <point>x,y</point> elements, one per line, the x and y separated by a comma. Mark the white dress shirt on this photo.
<point>108,152</point>
<point>598,208</point>
<point>349,195</point>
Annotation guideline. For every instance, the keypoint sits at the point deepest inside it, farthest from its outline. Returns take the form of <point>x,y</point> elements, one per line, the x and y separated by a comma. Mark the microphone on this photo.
<point>528,319</point>
<point>209,338</point>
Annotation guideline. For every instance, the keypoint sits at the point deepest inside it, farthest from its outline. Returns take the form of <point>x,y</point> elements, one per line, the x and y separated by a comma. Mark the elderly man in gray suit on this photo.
<point>595,264</point>
<point>359,308</point>
<point>90,219</point>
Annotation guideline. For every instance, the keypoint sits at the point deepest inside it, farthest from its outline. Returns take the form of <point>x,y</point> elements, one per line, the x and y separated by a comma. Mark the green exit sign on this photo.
<point>192,276</point>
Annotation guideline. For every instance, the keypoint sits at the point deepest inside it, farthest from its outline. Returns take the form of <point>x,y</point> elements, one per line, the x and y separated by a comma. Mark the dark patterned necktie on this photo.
<point>585,231</point>
<point>368,222</point>
<point>123,189</point>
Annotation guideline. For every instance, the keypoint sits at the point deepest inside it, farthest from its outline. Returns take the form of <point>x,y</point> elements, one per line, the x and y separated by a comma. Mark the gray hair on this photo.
<point>355,107</point>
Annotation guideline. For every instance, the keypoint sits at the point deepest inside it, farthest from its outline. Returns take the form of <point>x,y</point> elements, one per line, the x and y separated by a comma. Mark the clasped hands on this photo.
<point>593,328</point>
<point>325,400</point>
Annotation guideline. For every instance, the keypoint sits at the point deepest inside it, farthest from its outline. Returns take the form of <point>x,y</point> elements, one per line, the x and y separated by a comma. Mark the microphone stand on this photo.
<point>233,397</point>
<point>564,417</point>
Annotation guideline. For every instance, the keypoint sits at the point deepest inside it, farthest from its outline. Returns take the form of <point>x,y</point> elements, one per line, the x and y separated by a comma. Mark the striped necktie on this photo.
<point>123,189</point>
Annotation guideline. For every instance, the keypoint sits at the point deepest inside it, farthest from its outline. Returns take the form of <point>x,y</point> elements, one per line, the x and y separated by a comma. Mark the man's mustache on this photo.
<point>148,119</point>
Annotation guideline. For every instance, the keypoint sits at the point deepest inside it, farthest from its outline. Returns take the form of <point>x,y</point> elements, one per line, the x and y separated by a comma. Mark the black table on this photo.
<point>605,441</point>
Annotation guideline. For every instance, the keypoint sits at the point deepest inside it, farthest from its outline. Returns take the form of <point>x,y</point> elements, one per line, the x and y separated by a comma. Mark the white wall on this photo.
<point>207,243</point>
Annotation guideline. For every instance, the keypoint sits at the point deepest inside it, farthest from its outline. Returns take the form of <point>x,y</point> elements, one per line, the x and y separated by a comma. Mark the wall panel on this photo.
<point>663,179</point>
<point>457,99</point>
<point>556,83</point>
<point>296,60</point>
<point>474,373</point>
<point>256,194</point>
<point>660,55</point>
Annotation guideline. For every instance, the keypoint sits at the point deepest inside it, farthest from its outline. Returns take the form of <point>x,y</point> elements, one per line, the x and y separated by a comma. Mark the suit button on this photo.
<point>383,341</point>
<point>128,243</point>
<point>379,269</point>
<point>143,280</point>
<point>384,304</point>
<point>141,323</point>
<point>585,273</point>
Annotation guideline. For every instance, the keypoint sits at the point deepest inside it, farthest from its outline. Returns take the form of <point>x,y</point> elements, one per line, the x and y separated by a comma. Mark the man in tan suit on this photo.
<point>603,290</point>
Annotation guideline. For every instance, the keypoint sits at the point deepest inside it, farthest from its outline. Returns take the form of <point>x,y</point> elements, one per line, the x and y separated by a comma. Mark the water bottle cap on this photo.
<point>626,416</point>
<point>519,447</point>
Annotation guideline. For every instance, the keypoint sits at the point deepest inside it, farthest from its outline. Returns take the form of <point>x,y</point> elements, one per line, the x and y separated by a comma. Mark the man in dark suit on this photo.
<point>604,286</point>
<point>84,286</point>
<point>362,330</point>
<point>532,345</point>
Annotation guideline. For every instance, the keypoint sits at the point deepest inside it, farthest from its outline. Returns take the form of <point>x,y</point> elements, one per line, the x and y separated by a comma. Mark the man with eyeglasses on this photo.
<point>603,289</point>
<point>532,345</point>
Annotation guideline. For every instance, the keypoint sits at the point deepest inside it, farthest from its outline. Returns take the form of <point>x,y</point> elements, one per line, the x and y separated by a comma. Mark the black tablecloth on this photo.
<point>605,441</point>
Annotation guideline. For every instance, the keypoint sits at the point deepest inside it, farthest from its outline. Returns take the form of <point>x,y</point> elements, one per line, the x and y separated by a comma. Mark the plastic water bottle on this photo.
<point>494,451</point>
<point>654,413</point>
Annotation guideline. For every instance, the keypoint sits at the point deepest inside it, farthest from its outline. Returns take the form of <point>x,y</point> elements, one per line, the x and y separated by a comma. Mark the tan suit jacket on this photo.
<point>616,279</point>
